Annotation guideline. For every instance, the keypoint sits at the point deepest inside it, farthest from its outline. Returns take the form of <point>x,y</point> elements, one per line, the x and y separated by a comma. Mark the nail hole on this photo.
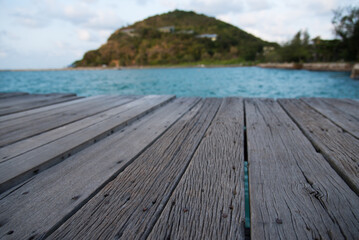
<point>10,232</point>
<point>75,198</point>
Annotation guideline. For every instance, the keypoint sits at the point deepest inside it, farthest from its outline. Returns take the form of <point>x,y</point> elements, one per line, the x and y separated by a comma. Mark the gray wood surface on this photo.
<point>294,192</point>
<point>13,150</point>
<point>13,116</point>
<point>20,168</point>
<point>208,202</point>
<point>342,112</point>
<point>161,168</point>
<point>54,195</point>
<point>340,148</point>
<point>28,104</point>
<point>25,127</point>
<point>9,103</point>
<point>130,204</point>
<point>11,94</point>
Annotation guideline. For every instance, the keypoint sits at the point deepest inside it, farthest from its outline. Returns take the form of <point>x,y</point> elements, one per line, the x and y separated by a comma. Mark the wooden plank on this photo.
<point>55,110</point>
<point>54,195</point>
<point>18,169</point>
<point>294,192</point>
<point>10,151</point>
<point>32,125</point>
<point>11,94</point>
<point>35,104</point>
<point>130,204</point>
<point>31,98</point>
<point>208,202</point>
<point>339,148</point>
<point>46,109</point>
<point>339,111</point>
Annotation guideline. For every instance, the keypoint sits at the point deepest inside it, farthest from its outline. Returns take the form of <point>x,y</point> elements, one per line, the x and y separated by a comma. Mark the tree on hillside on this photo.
<point>297,49</point>
<point>346,26</point>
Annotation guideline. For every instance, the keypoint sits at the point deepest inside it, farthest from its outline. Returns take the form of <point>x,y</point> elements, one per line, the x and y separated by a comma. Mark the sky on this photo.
<point>54,33</point>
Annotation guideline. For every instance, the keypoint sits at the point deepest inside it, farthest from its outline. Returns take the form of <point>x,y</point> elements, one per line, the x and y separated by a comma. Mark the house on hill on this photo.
<point>167,29</point>
<point>129,31</point>
<point>213,37</point>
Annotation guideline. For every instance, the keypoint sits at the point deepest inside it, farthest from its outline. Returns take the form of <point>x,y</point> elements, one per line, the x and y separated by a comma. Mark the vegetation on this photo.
<point>143,43</point>
<point>302,49</point>
<point>173,39</point>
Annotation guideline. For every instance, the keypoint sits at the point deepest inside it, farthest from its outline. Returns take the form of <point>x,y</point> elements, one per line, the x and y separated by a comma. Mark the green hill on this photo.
<point>177,37</point>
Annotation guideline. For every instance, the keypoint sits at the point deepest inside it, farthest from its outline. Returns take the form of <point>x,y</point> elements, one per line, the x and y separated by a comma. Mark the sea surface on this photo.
<point>203,82</point>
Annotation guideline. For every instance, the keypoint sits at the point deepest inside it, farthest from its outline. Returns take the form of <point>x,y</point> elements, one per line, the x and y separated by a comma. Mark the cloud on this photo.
<point>284,18</point>
<point>3,54</point>
<point>83,35</point>
<point>81,13</point>
<point>30,18</point>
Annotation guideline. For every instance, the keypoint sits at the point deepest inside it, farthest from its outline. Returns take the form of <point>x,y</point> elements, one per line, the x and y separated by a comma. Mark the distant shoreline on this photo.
<point>125,68</point>
<point>342,67</point>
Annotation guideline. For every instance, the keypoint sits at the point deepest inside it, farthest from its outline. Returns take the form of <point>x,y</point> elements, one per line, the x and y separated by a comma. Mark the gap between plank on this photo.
<point>315,146</point>
<point>247,225</point>
<point>85,201</point>
<point>332,121</point>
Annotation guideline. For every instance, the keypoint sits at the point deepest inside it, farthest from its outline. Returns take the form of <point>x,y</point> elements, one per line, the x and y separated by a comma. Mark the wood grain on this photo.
<point>129,205</point>
<point>340,148</point>
<point>54,195</point>
<point>18,169</point>
<point>208,202</point>
<point>13,116</point>
<point>342,112</point>
<point>27,104</point>
<point>13,150</point>
<point>294,192</point>
<point>25,127</point>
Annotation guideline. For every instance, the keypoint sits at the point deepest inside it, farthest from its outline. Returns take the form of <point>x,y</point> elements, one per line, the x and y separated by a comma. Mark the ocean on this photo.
<point>202,82</point>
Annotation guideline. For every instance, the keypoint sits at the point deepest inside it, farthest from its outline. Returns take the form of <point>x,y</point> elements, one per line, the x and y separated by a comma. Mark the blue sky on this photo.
<point>53,33</point>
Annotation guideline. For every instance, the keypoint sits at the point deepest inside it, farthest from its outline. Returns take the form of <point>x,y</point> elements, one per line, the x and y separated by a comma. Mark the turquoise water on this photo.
<point>204,82</point>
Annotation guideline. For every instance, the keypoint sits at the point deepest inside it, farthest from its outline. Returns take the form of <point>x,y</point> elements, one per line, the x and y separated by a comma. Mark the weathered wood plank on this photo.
<point>130,204</point>
<point>42,110</point>
<point>46,111</point>
<point>55,194</point>
<point>294,192</point>
<point>18,169</point>
<point>28,105</point>
<point>10,151</point>
<point>341,112</point>
<point>11,94</point>
<point>32,125</point>
<point>9,103</point>
<point>339,148</point>
<point>208,202</point>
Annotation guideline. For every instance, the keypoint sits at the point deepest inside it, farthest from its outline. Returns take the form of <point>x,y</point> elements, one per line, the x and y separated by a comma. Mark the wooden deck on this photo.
<point>160,167</point>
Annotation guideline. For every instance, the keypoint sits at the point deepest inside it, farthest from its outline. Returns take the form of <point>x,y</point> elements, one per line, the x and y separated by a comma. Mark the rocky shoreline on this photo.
<point>337,67</point>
